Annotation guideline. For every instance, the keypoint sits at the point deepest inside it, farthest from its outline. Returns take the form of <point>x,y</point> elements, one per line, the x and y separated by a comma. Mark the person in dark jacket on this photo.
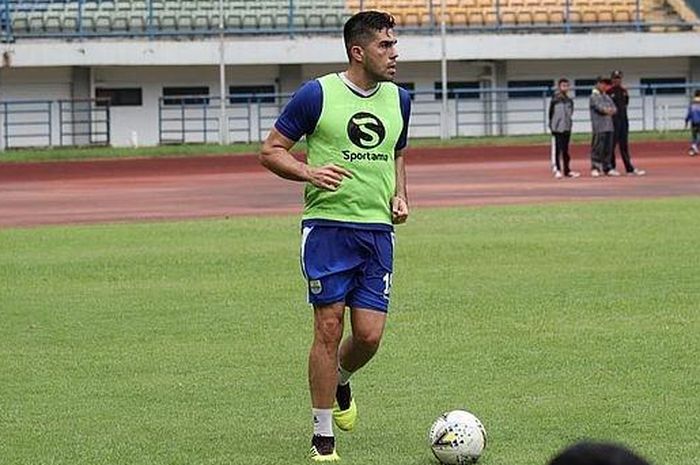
<point>693,119</point>
<point>561,110</point>
<point>602,110</point>
<point>621,124</point>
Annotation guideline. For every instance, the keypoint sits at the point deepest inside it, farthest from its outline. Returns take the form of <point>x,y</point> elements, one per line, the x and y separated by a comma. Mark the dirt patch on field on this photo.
<point>219,186</point>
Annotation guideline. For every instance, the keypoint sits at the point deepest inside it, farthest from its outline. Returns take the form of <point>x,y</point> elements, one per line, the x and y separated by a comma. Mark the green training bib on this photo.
<point>359,134</point>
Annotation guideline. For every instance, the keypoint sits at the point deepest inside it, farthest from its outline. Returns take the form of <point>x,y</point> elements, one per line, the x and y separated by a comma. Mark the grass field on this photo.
<point>193,150</point>
<point>186,343</point>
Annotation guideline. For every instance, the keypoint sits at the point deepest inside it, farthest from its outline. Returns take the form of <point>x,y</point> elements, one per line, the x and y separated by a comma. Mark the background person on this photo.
<point>561,110</point>
<point>693,119</point>
<point>602,110</point>
<point>621,124</point>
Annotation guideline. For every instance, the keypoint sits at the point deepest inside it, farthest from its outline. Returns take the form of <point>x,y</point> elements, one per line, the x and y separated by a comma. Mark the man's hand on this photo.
<point>328,177</point>
<point>399,210</point>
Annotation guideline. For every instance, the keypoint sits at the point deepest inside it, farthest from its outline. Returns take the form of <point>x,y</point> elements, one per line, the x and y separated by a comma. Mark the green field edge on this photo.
<point>199,150</point>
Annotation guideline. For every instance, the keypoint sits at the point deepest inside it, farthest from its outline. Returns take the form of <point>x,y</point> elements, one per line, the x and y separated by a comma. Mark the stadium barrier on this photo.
<point>249,117</point>
<point>84,122</point>
<point>38,123</point>
<point>26,19</point>
<point>471,113</point>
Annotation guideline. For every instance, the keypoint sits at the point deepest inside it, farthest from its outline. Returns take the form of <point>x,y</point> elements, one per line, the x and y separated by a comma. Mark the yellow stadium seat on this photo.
<point>476,18</point>
<point>525,17</point>
<point>540,17</point>
<point>589,16</point>
<point>605,16</point>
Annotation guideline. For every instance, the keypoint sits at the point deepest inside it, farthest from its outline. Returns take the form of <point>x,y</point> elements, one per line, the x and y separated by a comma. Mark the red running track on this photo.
<point>34,194</point>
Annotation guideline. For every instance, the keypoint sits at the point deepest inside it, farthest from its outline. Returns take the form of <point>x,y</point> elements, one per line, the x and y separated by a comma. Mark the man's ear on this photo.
<point>357,53</point>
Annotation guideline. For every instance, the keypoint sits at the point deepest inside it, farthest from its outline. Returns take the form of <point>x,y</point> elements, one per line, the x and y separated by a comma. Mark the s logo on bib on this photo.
<point>366,130</point>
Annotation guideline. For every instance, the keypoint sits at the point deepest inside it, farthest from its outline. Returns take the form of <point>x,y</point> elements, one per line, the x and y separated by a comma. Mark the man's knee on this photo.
<point>370,338</point>
<point>329,327</point>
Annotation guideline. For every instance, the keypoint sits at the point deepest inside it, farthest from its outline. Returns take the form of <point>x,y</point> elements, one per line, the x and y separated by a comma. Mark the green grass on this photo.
<point>186,343</point>
<point>190,150</point>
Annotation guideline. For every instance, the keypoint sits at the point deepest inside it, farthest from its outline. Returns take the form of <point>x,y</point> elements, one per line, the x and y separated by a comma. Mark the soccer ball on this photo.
<point>457,438</point>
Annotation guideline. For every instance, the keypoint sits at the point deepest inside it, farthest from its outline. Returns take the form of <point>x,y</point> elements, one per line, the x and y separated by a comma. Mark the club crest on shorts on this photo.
<point>315,286</point>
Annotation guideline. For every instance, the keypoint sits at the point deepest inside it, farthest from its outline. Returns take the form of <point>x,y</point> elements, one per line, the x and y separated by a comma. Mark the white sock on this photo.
<point>323,425</point>
<point>343,376</point>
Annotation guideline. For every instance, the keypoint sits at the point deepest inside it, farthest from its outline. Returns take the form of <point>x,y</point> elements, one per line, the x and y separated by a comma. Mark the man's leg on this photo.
<point>617,139</point>
<point>624,145</point>
<point>360,346</point>
<point>357,349</point>
<point>608,151</point>
<point>555,152</point>
<point>369,302</point>
<point>323,375</point>
<point>566,159</point>
<point>597,149</point>
<point>323,357</point>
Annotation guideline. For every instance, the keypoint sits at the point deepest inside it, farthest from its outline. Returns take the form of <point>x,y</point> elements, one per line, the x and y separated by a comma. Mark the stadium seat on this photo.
<point>133,16</point>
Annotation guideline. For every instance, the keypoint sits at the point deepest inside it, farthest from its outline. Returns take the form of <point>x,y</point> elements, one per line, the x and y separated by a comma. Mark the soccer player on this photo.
<point>561,110</point>
<point>621,124</point>
<point>693,118</point>
<point>355,123</point>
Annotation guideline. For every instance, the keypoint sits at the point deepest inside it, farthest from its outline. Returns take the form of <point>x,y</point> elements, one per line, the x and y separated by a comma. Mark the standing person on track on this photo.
<point>561,110</point>
<point>693,119</point>
<point>602,110</point>
<point>621,124</point>
<point>355,124</point>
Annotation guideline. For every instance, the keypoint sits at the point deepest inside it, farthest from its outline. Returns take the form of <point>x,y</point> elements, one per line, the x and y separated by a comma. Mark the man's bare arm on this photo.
<point>399,204</point>
<point>275,156</point>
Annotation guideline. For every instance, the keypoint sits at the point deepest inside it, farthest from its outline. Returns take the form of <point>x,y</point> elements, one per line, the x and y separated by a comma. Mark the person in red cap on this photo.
<point>621,122</point>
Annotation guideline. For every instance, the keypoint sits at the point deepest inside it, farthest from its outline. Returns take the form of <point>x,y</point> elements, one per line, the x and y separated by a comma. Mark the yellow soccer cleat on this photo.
<point>345,419</point>
<point>323,449</point>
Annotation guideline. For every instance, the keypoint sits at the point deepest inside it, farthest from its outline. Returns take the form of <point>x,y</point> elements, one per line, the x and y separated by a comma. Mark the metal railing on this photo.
<point>20,19</point>
<point>84,122</point>
<point>28,122</point>
<point>471,113</point>
<point>36,123</point>
<point>249,117</point>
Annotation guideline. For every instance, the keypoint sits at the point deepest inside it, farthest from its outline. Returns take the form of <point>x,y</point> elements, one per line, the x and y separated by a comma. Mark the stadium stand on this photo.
<point>186,17</point>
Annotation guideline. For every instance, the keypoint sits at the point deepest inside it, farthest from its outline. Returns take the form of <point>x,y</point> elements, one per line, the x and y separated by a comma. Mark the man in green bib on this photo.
<point>356,125</point>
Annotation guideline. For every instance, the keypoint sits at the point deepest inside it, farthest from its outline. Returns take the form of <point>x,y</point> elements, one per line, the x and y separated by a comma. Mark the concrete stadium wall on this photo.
<point>329,49</point>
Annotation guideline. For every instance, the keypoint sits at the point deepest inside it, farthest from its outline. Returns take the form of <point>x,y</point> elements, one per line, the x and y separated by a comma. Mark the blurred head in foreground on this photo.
<point>597,453</point>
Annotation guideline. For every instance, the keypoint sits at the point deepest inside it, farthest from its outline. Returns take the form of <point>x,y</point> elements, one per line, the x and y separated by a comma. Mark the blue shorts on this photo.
<point>346,264</point>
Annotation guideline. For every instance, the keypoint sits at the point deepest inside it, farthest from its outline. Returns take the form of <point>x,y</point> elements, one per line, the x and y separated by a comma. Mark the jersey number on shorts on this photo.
<point>387,283</point>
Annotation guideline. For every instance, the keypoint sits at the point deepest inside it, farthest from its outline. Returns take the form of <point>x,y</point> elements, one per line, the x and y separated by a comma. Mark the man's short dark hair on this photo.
<point>563,79</point>
<point>360,28</point>
<point>598,453</point>
<point>603,80</point>
<point>697,93</point>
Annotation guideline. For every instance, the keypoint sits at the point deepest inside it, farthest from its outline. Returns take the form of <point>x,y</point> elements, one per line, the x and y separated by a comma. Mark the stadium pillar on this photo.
<point>223,119</point>
<point>444,126</point>
<point>500,97</point>
<point>290,78</point>
<point>81,114</point>
<point>694,69</point>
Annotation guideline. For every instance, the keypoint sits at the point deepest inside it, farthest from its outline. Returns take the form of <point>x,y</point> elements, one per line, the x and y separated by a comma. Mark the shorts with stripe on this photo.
<point>347,264</point>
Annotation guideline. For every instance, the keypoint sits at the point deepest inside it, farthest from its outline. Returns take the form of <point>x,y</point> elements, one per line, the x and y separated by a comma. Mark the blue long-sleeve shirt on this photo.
<point>693,116</point>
